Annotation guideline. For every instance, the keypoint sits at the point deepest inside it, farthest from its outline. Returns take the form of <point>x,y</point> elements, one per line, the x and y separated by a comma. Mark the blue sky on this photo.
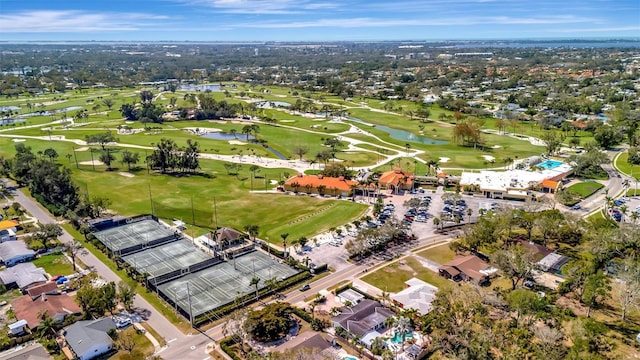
<point>316,20</point>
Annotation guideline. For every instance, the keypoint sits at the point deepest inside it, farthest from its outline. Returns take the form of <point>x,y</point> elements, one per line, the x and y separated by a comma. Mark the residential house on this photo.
<point>470,268</point>
<point>320,184</point>
<point>350,296</point>
<point>22,276</point>
<point>90,338</point>
<point>29,351</point>
<point>14,252</point>
<point>363,320</point>
<point>30,307</point>
<point>9,225</point>
<point>7,235</point>
<point>553,263</point>
<point>418,295</point>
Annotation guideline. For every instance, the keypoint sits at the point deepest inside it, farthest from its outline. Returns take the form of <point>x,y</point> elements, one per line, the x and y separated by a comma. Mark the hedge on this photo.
<point>226,344</point>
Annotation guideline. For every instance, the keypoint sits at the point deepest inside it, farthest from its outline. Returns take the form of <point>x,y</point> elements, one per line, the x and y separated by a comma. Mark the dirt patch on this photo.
<point>389,269</point>
<point>126,174</point>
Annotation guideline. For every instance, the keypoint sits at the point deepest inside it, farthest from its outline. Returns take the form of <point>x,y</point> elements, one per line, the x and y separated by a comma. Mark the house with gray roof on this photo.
<point>22,276</point>
<point>14,252</point>
<point>90,338</point>
<point>363,320</point>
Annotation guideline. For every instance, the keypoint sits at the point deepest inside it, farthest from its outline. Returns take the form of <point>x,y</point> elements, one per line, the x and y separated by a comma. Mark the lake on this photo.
<point>403,134</point>
<point>223,135</point>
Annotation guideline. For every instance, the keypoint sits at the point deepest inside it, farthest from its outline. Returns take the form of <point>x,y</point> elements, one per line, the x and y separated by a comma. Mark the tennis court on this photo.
<point>134,236</point>
<point>167,258</point>
<point>222,283</point>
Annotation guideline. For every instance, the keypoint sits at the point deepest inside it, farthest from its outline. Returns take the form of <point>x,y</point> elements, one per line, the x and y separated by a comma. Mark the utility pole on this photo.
<point>151,199</point>
<point>190,309</point>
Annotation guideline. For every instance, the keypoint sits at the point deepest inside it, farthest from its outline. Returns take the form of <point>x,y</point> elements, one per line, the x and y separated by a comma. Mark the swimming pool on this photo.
<point>550,164</point>
<point>397,338</point>
<point>349,358</point>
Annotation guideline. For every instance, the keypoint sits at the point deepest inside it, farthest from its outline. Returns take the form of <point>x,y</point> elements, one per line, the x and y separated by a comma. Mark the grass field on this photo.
<point>143,347</point>
<point>391,278</point>
<point>440,254</point>
<point>54,264</point>
<point>585,188</point>
<point>625,167</point>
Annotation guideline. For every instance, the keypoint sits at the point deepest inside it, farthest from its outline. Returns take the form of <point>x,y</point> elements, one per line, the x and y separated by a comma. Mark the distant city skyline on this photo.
<point>312,20</point>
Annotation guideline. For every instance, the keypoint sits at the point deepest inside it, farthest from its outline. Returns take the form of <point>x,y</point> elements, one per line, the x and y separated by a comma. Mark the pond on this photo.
<point>402,134</point>
<point>271,104</point>
<point>10,108</point>
<point>203,87</point>
<point>47,112</point>
<point>11,121</point>
<point>223,135</point>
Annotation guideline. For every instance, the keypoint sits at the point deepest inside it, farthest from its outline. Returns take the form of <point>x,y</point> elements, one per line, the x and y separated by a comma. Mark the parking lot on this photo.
<point>330,248</point>
<point>623,209</point>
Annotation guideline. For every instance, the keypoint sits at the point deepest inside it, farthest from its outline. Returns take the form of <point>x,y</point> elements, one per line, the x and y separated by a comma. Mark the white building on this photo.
<point>418,295</point>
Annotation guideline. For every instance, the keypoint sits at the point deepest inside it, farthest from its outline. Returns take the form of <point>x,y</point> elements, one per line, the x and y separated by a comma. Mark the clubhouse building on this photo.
<point>321,185</point>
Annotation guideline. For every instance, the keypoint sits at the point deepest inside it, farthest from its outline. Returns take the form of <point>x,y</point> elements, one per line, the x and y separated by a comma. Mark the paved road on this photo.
<point>194,346</point>
<point>156,320</point>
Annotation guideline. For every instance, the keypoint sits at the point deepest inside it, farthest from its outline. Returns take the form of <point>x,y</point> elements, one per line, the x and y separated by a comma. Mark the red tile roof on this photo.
<point>395,177</point>
<point>549,184</point>
<point>317,180</point>
<point>30,310</point>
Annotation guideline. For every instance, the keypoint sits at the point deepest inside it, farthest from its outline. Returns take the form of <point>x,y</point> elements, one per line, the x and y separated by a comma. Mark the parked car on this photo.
<point>305,287</point>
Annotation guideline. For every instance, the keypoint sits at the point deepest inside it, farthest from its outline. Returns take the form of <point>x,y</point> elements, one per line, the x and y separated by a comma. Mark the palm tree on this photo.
<point>469,213</point>
<point>436,222</point>
<point>254,282</point>
<point>252,230</point>
<point>402,326</point>
<point>47,327</point>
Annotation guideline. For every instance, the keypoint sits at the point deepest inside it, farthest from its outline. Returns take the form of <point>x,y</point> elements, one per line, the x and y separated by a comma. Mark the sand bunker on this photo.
<point>496,146</point>
<point>200,130</point>
<point>18,140</point>
<point>126,174</point>
<point>489,157</point>
<point>287,121</point>
<point>85,148</point>
<point>237,142</point>
<point>47,103</point>
<point>444,159</point>
<point>95,162</point>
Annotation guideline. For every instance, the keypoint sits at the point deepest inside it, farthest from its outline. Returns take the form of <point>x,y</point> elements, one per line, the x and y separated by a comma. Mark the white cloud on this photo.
<point>71,21</point>
<point>272,7</point>
<point>456,21</point>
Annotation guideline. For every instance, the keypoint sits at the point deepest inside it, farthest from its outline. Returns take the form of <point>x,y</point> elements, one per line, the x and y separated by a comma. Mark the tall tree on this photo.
<point>128,157</point>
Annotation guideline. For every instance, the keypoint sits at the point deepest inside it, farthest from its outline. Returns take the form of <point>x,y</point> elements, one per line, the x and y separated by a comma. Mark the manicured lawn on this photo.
<point>585,188</point>
<point>54,264</point>
<point>143,346</point>
<point>440,254</point>
<point>625,167</point>
<point>391,278</point>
